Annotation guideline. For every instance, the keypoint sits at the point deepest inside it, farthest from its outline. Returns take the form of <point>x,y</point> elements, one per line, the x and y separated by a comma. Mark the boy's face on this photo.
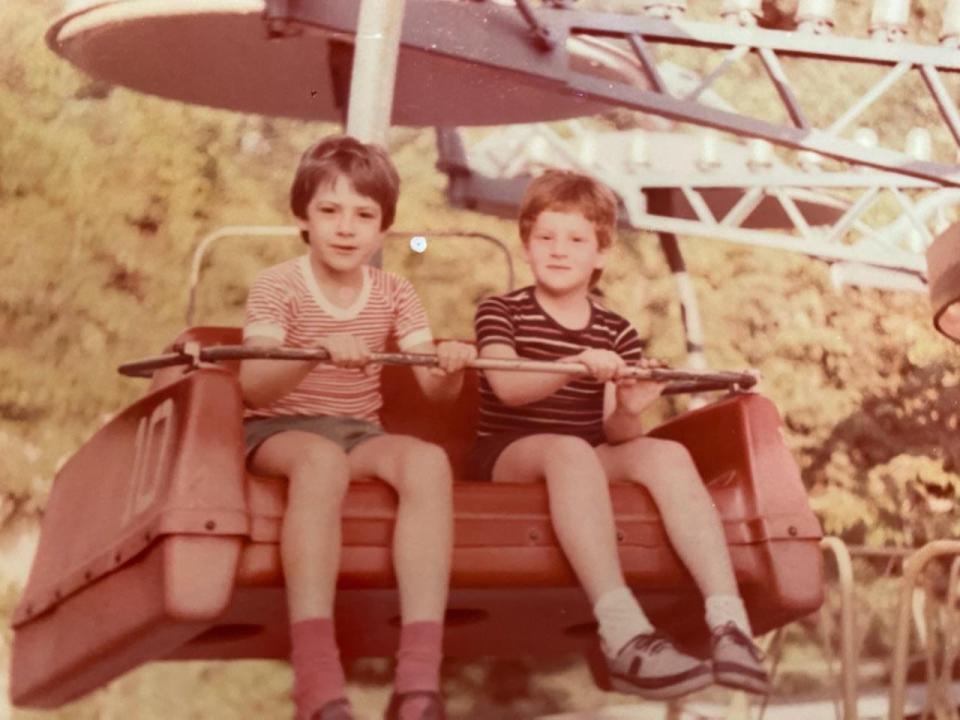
<point>343,227</point>
<point>563,251</point>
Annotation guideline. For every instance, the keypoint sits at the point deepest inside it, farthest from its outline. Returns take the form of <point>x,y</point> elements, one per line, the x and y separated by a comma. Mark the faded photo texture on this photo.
<point>104,194</point>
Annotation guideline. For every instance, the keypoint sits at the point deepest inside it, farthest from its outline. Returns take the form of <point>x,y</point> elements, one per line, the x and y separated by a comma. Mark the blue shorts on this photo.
<point>347,432</point>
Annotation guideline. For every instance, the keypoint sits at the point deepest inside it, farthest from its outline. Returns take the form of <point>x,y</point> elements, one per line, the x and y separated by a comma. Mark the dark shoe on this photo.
<point>651,666</point>
<point>338,709</point>
<point>432,711</point>
<point>737,661</point>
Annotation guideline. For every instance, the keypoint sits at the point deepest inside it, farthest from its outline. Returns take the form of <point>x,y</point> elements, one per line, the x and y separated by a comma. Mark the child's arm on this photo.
<point>625,399</point>
<point>412,332</point>
<point>521,388</point>
<point>263,381</point>
<point>496,338</point>
<point>445,381</point>
<point>270,311</point>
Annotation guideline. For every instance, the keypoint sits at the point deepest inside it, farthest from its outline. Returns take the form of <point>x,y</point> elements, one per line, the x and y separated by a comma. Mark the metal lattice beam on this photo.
<point>828,215</point>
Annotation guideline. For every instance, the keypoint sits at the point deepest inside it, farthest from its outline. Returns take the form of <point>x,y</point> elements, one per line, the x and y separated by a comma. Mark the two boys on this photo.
<point>317,426</point>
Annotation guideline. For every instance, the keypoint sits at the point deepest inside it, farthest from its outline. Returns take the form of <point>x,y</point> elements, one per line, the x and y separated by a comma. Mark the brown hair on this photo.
<point>568,191</point>
<point>366,166</point>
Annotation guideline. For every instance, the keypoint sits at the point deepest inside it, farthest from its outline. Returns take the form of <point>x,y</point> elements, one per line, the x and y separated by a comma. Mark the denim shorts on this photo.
<point>347,432</point>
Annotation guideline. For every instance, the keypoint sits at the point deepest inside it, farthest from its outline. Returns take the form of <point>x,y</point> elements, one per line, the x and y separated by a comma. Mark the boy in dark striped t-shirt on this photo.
<point>580,432</point>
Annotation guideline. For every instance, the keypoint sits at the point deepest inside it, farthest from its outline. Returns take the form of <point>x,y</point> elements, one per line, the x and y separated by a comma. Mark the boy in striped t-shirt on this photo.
<point>579,433</point>
<point>317,424</point>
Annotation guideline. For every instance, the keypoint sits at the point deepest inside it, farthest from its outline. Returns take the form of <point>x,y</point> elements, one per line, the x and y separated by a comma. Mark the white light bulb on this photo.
<point>866,137</point>
<point>919,144</point>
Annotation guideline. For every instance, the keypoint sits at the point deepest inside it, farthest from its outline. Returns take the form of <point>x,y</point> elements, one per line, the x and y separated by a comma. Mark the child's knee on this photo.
<point>323,463</point>
<point>672,454</point>
<point>653,460</point>
<point>425,465</point>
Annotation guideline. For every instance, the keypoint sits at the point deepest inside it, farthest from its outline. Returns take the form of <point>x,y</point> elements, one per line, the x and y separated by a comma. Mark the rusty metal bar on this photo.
<point>188,355</point>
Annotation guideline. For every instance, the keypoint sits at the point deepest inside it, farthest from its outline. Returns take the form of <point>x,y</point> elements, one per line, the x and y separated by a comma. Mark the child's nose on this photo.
<point>345,224</point>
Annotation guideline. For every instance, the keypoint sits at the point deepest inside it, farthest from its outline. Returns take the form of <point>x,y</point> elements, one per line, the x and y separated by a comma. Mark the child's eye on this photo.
<point>368,215</point>
<point>327,209</point>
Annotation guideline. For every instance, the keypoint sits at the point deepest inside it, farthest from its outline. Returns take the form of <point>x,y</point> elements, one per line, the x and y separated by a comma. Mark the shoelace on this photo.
<point>652,643</point>
<point>730,630</point>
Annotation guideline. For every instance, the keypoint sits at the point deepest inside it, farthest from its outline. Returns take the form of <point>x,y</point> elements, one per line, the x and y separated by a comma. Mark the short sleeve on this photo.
<point>411,325</point>
<point>269,309</point>
<point>493,324</point>
<point>628,343</point>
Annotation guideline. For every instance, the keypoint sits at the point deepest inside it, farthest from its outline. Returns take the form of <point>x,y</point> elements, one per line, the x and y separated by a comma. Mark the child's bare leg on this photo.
<point>317,476</point>
<point>422,547</point>
<point>666,469</point>
<point>582,516</point>
<point>423,534</point>
<point>580,507</point>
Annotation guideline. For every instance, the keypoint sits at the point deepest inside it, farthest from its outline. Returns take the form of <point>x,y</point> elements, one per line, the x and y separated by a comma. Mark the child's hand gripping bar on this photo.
<point>682,380</point>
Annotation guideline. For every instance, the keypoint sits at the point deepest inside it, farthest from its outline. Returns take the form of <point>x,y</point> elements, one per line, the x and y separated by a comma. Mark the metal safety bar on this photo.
<point>191,354</point>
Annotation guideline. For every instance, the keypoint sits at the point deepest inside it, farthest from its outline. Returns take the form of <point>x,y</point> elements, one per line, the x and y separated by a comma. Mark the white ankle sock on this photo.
<point>722,609</point>
<point>621,618</point>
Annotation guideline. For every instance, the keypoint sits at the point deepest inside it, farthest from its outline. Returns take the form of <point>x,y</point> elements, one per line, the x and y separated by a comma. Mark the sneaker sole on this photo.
<point>663,688</point>
<point>739,677</point>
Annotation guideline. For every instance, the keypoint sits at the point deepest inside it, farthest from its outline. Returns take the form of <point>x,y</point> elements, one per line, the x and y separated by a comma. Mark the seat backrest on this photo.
<point>448,424</point>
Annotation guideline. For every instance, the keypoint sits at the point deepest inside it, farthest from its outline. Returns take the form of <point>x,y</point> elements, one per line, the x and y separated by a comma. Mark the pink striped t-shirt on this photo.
<point>286,304</point>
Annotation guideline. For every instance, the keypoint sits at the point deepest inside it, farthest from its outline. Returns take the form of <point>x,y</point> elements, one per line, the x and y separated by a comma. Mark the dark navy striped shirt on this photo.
<point>518,320</point>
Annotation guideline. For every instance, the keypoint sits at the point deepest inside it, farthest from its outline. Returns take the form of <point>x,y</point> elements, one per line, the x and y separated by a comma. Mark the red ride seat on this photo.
<point>156,544</point>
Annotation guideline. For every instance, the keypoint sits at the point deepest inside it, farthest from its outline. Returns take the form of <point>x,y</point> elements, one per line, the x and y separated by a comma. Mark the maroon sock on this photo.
<point>419,656</point>
<point>317,673</point>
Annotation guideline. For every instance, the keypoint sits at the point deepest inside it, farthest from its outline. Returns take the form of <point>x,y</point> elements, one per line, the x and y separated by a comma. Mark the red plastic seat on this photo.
<point>155,543</point>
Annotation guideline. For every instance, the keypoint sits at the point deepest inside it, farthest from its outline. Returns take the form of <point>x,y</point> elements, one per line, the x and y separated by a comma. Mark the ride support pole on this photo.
<point>374,72</point>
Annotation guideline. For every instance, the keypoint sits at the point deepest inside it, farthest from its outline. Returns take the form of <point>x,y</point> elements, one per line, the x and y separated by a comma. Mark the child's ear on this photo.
<point>525,251</point>
<point>302,223</point>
